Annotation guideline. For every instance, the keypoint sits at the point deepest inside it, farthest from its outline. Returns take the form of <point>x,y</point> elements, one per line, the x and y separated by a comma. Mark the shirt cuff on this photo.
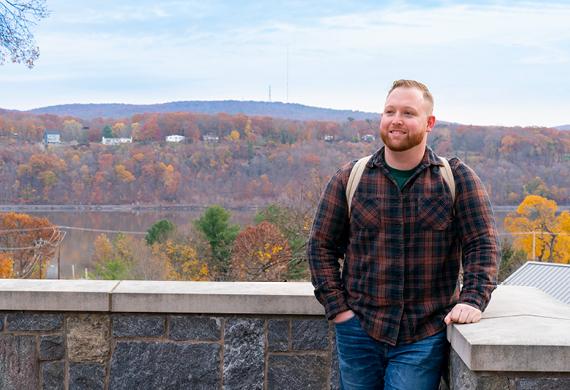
<point>333,303</point>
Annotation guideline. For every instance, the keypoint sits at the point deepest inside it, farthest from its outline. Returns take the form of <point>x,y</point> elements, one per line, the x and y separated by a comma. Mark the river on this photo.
<point>83,226</point>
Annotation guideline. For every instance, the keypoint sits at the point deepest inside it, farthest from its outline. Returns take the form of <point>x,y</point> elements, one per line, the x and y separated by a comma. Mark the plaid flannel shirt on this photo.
<point>402,248</point>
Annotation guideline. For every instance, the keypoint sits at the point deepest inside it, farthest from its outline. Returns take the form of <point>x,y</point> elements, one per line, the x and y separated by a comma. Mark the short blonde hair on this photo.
<point>414,84</point>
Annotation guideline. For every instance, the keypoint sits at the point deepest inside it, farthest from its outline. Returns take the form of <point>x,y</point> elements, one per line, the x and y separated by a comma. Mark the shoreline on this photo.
<point>119,208</point>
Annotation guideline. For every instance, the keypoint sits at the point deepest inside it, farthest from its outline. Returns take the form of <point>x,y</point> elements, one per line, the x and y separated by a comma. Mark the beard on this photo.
<point>403,144</point>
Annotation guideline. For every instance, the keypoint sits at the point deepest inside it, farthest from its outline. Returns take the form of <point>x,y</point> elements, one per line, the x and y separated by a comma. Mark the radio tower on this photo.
<point>287,77</point>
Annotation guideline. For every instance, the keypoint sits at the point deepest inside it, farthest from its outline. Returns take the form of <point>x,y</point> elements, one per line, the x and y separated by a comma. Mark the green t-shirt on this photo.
<point>400,176</point>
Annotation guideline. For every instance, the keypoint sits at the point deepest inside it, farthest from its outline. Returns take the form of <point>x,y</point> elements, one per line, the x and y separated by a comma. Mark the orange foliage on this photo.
<point>32,242</point>
<point>260,253</point>
<point>6,266</point>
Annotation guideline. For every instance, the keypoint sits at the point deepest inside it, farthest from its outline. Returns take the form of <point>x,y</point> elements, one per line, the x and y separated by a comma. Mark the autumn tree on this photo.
<point>6,266</point>
<point>16,39</point>
<point>548,234</point>
<point>30,242</point>
<point>73,130</point>
<point>113,260</point>
<point>220,233</point>
<point>260,253</point>
<point>293,225</point>
<point>182,260</point>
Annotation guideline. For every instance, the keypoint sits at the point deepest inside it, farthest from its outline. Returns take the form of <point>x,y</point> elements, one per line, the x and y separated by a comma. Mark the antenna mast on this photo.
<point>287,77</point>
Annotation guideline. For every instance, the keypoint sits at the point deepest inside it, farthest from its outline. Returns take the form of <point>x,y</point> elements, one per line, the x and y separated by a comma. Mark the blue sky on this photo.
<point>486,62</point>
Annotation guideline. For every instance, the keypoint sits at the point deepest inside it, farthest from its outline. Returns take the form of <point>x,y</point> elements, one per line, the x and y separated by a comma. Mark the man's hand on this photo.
<point>343,316</point>
<point>462,314</point>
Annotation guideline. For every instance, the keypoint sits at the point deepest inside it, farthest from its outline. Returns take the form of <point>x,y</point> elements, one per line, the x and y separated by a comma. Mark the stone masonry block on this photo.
<point>243,354</point>
<point>53,375</point>
<point>90,376</point>
<point>462,378</point>
<point>34,321</point>
<point>300,372</point>
<point>335,374</point>
<point>155,365</point>
<point>88,338</point>
<point>138,325</point>
<point>278,335</point>
<point>310,334</point>
<point>18,359</point>
<point>51,348</point>
<point>188,327</point>
<point>543,384</point>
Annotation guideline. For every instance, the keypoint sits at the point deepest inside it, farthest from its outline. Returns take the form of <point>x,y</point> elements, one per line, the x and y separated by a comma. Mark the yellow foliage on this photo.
<point>182,261</point>
<point>123,174</point>
<point>234,135</point>
<point>548,235</point>
<point>248,131</point>
<point>6,266</point>
<point>103,249</point>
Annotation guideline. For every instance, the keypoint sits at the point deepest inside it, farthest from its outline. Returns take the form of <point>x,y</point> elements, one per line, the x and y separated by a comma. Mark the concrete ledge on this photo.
<point>56,295</point>
<point>159,297</point>
<point>216,297</point>
<point>523,329</point>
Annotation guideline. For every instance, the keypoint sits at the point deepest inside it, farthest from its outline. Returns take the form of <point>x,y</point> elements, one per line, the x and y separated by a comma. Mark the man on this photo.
<point>403,244</point>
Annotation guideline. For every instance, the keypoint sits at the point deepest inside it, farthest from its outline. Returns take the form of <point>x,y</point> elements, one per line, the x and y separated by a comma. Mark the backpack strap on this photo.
<point>447,174</point>
<point>354,179</point>
<point>358,170</point>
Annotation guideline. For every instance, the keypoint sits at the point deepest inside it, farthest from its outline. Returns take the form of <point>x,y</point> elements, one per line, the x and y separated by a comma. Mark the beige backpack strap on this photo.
<point>447,174</point>
<point>354,179</point>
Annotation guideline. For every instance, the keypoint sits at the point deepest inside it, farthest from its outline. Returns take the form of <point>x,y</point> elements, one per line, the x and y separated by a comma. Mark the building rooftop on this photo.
<point>552,278</point>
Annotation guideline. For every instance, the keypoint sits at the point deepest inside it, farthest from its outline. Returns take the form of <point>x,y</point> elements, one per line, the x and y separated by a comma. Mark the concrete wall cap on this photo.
<point>55,295</point>
<point>520,327</point>
<point>216,297</point>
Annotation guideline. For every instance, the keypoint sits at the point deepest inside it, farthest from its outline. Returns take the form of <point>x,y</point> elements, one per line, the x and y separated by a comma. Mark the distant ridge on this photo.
<point>250,108</point>
<point>563,127</point>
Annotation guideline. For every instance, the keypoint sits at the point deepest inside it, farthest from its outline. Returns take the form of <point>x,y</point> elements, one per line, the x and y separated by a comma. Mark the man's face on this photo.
<point>406,119</point>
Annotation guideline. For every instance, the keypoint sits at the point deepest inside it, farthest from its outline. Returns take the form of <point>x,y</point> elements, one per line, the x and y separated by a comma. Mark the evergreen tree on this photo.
<point>159,232</point>
<point>215,226</point>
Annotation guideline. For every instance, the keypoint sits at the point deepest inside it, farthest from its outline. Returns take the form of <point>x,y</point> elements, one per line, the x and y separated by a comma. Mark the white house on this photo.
<point>52,137</point>
<point>116,141</point>
<point>211,138</point>
<point>175,138</point>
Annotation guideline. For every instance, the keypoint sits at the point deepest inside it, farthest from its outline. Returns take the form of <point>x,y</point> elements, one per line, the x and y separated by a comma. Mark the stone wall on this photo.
<point>160,351</point>
<point>206,335</point>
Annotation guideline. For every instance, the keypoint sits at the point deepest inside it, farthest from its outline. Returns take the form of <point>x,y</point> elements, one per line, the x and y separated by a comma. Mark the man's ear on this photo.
<point>430,123</point>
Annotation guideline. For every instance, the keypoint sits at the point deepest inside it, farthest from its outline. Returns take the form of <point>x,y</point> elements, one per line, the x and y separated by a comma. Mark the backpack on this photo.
<point>358,169</point>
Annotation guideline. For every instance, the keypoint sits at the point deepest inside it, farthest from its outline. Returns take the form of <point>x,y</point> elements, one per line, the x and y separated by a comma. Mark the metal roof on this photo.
<point>552,278</point>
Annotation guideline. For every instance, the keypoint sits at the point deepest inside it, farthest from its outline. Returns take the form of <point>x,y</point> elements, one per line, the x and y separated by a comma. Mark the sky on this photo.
<point>486,62</point>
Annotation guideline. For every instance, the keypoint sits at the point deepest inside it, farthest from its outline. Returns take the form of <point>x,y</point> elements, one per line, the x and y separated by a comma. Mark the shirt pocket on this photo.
<point>366,212</point>
<point>435,213</point>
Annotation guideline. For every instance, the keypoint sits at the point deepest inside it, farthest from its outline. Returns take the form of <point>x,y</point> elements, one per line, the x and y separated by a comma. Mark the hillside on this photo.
<point>273,109</point>
<point>241,161</point>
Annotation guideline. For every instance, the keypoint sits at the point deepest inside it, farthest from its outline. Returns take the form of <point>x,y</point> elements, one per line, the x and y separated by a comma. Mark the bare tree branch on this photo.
<point>16,40</point>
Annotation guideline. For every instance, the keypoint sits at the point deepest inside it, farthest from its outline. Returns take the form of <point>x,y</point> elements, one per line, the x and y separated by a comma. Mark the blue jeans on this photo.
<point>369,364</point>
